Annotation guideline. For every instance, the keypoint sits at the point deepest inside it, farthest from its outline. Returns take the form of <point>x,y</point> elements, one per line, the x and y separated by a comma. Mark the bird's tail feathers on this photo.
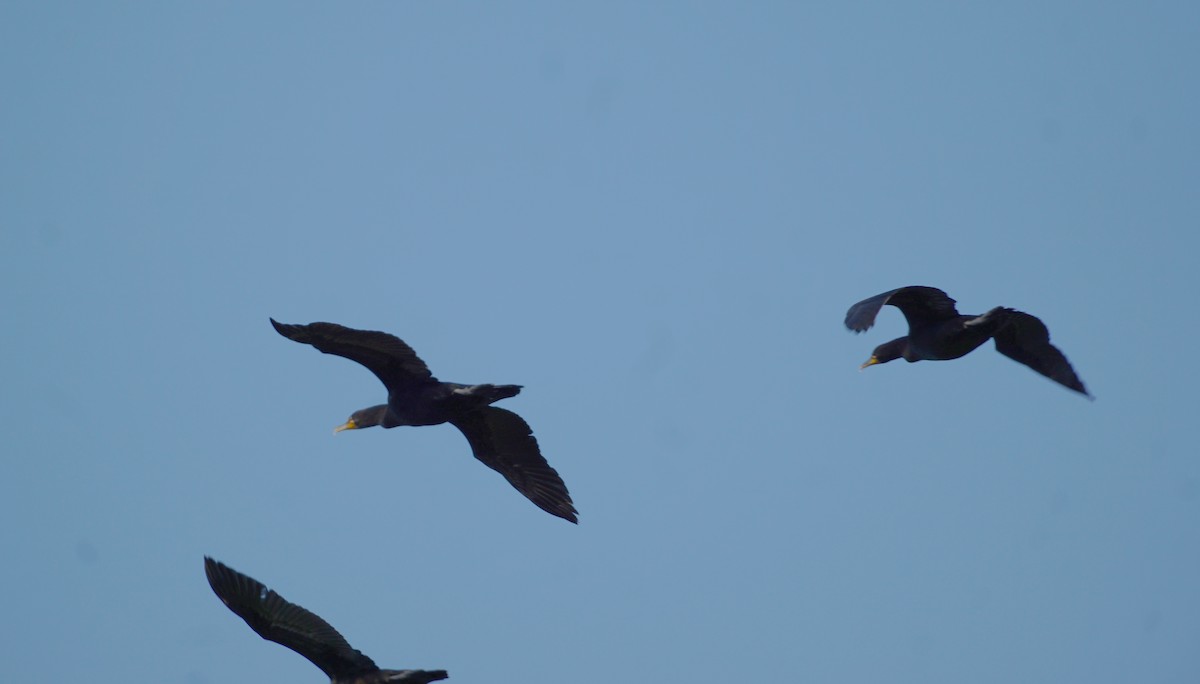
<point>415,676</point>
<point>491,393</point>
<point>994,316</point>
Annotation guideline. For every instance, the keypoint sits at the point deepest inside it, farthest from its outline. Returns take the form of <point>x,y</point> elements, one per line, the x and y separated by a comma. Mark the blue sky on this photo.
<point>654,218</point>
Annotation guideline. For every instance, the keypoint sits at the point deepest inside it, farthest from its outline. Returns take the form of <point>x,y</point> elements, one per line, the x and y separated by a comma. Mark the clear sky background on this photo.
<point>654,217</point>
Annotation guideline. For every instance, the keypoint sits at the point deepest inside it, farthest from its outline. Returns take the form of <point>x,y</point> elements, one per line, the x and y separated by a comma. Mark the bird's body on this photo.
<point>275,619</point>
<point>937,332</point>
<point>437,403</point>
<point>498,438</point>
<point>949,339</point>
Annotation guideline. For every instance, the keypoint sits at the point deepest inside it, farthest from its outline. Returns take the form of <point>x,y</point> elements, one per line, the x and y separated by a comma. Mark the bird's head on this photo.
<point>888,351</point>
<point>365,418</point>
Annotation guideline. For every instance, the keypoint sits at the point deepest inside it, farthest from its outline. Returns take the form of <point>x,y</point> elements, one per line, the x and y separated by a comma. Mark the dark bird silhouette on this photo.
<point>937,332</point>
<point>275,619</point>
<point>499,438</point>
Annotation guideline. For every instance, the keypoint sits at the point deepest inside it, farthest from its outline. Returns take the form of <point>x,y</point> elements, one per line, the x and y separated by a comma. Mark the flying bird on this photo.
<point>499,438</point>
<point>937,332</point>
<point>275,619</point>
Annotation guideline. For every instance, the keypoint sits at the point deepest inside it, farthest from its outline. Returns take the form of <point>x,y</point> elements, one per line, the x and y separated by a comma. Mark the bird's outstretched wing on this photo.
<point>919,304</point>
<point>275,619</point>
<point>1024,338</point>
<point>387,356</point>
<point>504,442</point>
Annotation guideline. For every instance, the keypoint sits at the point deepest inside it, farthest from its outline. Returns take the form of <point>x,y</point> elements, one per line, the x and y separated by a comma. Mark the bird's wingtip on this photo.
<point>212,568</point>
<point>286,329</point>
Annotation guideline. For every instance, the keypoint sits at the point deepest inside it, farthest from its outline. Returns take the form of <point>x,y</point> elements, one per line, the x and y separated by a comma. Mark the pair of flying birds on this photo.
<point>505,443</point>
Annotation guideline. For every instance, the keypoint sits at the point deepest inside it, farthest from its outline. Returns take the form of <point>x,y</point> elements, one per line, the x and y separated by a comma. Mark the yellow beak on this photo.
<point>870,362</point>
<point>348,425</point>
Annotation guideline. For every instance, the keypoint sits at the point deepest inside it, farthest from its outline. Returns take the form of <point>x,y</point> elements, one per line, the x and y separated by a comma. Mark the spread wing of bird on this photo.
<point>1024,338</point>
<point>504,442</point>
<point>387,356</point>
<point>920,305</point>
<point>275,619</point>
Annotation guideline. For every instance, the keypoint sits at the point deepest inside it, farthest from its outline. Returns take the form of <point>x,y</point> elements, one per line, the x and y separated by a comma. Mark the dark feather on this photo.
<point>387,356</point>
<point>921,305</point>
<point>504,442</point>
<point>275,619</point>
<point>1024,338</point>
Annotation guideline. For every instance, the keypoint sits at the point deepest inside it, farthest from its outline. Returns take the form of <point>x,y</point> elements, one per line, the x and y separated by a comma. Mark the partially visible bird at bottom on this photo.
<point>275,619</point>
<point>500,439</point>
<point>937,332</point>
